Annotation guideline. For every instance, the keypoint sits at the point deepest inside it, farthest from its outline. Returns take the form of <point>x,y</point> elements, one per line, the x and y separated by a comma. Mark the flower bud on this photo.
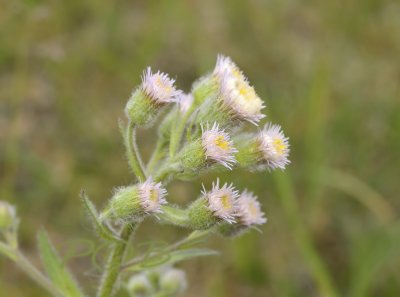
<point>185,102</point>
<point>139,286</point>
<point>173,282</point>
<point>7,215</point>
<point>134,202</point>
<point>269,149</point>
<point>213,207</point>
<point>248,213</point>
<point>155,92</point>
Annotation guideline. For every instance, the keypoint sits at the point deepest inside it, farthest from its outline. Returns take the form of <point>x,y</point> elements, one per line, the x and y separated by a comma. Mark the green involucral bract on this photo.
<point>125,204</point>
<point>140,108</point>
<point>200,216</point>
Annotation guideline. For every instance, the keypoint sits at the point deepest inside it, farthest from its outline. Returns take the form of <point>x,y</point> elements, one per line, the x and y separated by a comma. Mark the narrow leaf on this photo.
<point>55,268</point>
<point>100,228</point>
<point>182,255</point>
<point>171,258</point>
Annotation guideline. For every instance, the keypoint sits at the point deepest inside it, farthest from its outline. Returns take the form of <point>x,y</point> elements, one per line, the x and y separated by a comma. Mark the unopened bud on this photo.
<point>139,286</point>
<point>7,215</point>
<point>173,282</point>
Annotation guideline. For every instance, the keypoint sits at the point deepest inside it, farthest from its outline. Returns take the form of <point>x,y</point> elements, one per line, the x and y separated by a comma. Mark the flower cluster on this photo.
<point>202,131</point>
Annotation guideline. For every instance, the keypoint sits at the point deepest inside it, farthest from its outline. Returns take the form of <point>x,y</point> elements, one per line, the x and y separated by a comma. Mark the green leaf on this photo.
<point>100,228</point>
<point>181,255</point>
<point>171,258</point>
<point>55,268</point>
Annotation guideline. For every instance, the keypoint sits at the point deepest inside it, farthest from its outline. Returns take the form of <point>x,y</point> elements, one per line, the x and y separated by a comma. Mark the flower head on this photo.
<point>222,201</point>
<point>225,65</point>
<point>151,196</point>
<point>274,146</point>
<point>248,210</point>
<point>159,87</point>
<point>236,94</point>
<point>218,146</point>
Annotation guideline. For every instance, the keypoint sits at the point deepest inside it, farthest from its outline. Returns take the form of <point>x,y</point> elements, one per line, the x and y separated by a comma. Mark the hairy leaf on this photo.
<point>100,228</point>
<point>55,268</point>
<point>171,258</point>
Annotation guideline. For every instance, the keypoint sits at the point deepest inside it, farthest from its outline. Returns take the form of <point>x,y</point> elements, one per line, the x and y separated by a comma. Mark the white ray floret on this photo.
<point>218,146</point>
<point>185,102</point>
<point>236,93</point>
<point>249,210</point>
<point>152,196</point>
<point>159,86</point>
<point>274,146</point>
<point>225,65</point>
<point>222,201</point>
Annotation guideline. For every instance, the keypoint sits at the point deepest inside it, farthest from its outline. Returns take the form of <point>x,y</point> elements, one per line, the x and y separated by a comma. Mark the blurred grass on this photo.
<point>329,73</point>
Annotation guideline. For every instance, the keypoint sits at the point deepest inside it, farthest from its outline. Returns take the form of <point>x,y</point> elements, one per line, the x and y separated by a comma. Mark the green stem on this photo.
<point>174,216</point>
<point>177,131</point>
<point>303,237</point>
<point>157,155</point>
<point>36,275</point>
<point>167,170</point>
<point>132,152</point>
<point>114,263</point>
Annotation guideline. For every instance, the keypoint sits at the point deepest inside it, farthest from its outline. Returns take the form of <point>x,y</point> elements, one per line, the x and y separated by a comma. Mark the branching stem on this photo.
<point>114,263</point>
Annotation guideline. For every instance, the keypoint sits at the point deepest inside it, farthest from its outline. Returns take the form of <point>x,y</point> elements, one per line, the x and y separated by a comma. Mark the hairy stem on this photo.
<point>36,275</point>
<point>177,131</point>
<point>132,152</point>
<point>174,216</point>
<point>114,263</point>
<point>157,155</point>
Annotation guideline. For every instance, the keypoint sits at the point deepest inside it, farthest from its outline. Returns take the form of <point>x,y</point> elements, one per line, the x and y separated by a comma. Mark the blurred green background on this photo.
<point>329,72</point>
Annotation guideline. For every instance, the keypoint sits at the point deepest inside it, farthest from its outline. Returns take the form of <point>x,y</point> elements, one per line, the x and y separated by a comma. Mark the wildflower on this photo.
<point>222,201</point>
<point>217,205</point>
<point>249,211</point>
<point>236,93</point>
<point>155,91</point>
<point>218,146</point>
<point>134,202</point>
<point>214,147</point>
<point>152,196</point>
<point>159,87</point>
<point>234,98</point>
<point>185,102</point>
<point>268,149</point>
<point>275,146</point>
